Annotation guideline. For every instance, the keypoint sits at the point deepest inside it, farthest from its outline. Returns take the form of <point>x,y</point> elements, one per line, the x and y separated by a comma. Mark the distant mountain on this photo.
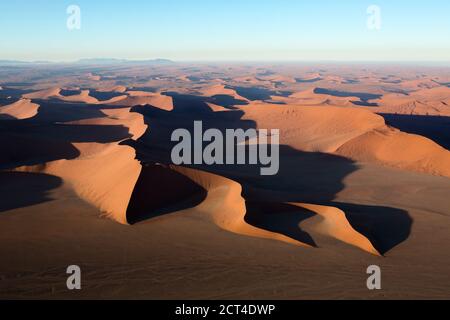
<point>19,62</point>
<point>99,61</point>
<point>11,62</point>
<point>91,61</point>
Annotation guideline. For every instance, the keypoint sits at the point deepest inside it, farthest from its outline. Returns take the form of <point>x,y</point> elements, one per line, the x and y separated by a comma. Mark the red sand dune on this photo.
<point>21,109</point>
<point>104,174</point>
<point>137,98</point>
<point>352,132</point>
<point>43,94</point>
<point>227,208</point>
<point>220,89</point>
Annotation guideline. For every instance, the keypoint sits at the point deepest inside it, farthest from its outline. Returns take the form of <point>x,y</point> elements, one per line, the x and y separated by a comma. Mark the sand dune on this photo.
<point>322,129</point>
<point>106,176</point>
<point>109,179</point>
<point>106,180</point>
<point>103,174</point>
<point>276,78</point>
<point>392,147</point>
<point>139,99</point>
<point>434,101</point>
<point>333,223</point>
<point>220,89</point>
<point>83,96</point>
<point>21,109</point>
<point>310,97</point>
<point>43,94</point>
<point>227,208</point>
<point>355,133</point>
<point>415,84</point>
<point>93,77</point>
<point>113,88</point>
<point>55,93</point>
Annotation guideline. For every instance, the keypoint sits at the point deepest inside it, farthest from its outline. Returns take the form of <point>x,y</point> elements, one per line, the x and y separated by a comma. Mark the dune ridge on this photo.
<point>351,132</point>
<point>227,208</point>
<point>220,89</point>
<point>22,109</point>
<point>313,129</point>
<point>389,146</point>
<point>104,174</point>
<point>105,181</point>
<point>43,94</point>
<point>138,98</point>
<point>335,224</point>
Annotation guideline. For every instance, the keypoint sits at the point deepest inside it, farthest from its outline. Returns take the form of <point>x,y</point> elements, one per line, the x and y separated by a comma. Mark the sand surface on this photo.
<point>86,179</point>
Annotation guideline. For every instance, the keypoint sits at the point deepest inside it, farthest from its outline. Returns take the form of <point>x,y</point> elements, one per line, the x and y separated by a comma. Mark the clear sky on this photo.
<point>411,30</point>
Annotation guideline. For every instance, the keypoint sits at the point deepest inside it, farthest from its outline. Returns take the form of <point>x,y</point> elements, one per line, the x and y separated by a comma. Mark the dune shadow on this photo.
<point>6,101</point>
<point>45,137</point>
<point>104,95</point>
<point>155,195</point>
<point>184,102</point>
<point>144,89</point>
<point>312,80</point>
<point>19,189</point>
<point>11,95</point>
<point>227,101</point>
<point>69,92</point>
<point>21,149</point>
<point>6,117</point>
<point>385,227</point>
<point>280,218</point>
<point>436,128</point>
<point>258,93</point>
<point>363,96</point>
<point>54,110</point>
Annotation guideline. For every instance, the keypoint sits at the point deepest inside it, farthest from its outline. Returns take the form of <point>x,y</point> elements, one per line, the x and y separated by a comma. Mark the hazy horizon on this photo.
<point>118,60</point>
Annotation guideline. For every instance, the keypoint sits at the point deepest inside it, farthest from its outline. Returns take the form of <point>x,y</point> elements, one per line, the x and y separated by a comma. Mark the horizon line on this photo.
<point>118,60</point>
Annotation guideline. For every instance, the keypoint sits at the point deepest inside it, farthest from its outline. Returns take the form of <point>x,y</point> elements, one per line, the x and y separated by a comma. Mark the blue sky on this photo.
<point>226,30</point>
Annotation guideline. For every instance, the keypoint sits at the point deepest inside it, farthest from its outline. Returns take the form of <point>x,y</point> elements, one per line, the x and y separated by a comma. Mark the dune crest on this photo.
<point>105,181</point>
<point>335,224</point>
<point>313,129</point>
<point>104,174</point>
<point>354,133</point>
<point>145,98</point>
<point>310,98</point>
<point>392,147</point>
<point>83,96</point>
<point>220,89</point>
<point>43,94</point>
<point>227,208</point>
<point>22,109</point>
